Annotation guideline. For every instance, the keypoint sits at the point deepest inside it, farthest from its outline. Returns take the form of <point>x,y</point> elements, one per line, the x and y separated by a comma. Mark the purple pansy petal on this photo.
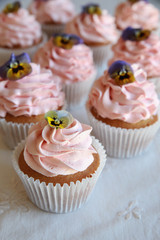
<point>121,72</point>
<point>22,58</point>
<point>12,7</point>
<point>129,33</point>
<point>74,37</point>
<point>118,66</point>
<point>66,41</point>
<point>135,34</point>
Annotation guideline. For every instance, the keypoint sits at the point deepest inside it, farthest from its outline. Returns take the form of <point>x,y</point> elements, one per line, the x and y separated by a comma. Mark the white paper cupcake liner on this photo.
<point>123,143</point>
<point>156,81</point>
<point>77,93</point>
<point>13,133</point>
<point>59,199</point>
<point>5,53</point>
<point>101,54</point>
<point>50,29</point>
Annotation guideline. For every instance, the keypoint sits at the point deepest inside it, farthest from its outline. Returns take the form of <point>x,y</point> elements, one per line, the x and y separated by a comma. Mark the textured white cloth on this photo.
<point>125,204</point>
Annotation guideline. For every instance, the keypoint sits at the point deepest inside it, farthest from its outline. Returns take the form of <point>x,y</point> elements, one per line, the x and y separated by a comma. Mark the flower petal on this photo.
<point>121,72</point>
<point>16,68</point>
<point>59,119</point>
<point>135,34</point>
<point>66,41</point>
<point>12,7</point>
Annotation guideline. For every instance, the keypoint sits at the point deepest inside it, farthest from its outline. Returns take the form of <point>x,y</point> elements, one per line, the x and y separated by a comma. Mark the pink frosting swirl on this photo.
<point>57,11</point>
<point>146,53</point>
<point>140,14</point>
<point>54,152</point>
<point>19,29</point>
<point>93,28</point>
<point>71,65</point>
<point>131,102</point>
<point>34,94</point>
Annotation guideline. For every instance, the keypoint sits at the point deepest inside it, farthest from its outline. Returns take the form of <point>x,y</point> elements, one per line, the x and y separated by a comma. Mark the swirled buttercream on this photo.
<point>146,53</point>
<point>131,102</point>
<point>33,94</point>
<point>139,14</point>
<point>19,29</point>
<point>93,28</point>
<point>52,152</point>
<point>57,11</point>
<point>71,65</point>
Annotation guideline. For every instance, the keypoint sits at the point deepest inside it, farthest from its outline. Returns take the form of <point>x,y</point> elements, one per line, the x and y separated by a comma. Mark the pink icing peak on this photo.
<point>93,28</point>
<point>33,94</point>
<point>19,29</point>
<point>71,65</point>
<point>139,14</point>
<point>131,103</point>
<point>146,53</point>
<point>54,152</point>
<point>57,11</point>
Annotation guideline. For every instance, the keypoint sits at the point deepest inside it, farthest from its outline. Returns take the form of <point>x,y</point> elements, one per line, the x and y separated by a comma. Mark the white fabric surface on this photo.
<point>125,204</point>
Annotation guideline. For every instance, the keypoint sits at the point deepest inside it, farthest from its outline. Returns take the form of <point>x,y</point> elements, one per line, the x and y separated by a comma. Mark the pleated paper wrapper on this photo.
<point>59,199</point>
<point>77,93</point>
<point>13,133</point>
<point>101,54</point>
<point>120,142</point>
<point>5,53</point>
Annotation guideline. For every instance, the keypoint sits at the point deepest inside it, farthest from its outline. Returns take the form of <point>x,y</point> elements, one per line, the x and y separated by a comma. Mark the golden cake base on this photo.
<point>119,123</point>
<point>61,179</point>
<point>24,119</point>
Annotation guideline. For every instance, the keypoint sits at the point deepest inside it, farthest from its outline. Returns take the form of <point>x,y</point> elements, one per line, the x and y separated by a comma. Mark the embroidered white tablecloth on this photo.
<point>125,204</point>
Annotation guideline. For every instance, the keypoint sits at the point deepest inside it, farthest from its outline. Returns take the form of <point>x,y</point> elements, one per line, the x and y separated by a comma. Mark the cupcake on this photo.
<point>26,93</point>
<point>138,14</point>
<point>19,32</point>
<point>123,110</point>
<point>60,162</point>
<point>53,15</point>
<point>137,45</point>
<point>71,60</point>
<point>97,28</point>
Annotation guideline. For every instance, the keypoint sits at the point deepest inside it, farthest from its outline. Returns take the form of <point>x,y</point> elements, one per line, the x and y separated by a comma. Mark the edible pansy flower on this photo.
<point>135,34</point>
<point>17,67</point>
<point>59,119</point>
<point>92,9</point>
<point>66,41</point>
<point>11,7</point>
<point>134,1</point>
<point>121,72</point>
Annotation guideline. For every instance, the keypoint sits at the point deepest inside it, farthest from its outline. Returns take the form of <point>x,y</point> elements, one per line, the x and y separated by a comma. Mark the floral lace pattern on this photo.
<point>131,211</point>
